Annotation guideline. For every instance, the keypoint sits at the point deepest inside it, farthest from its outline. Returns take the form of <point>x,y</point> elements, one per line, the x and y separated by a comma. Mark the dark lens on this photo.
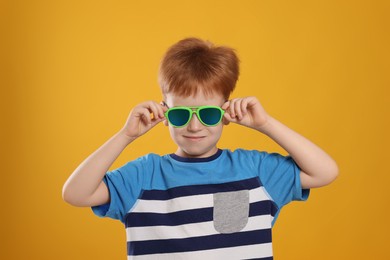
<point>178,117</point>
<point>210,115</point>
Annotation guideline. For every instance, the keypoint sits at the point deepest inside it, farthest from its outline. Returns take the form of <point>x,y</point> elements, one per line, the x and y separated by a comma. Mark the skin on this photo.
<point>86,188</point>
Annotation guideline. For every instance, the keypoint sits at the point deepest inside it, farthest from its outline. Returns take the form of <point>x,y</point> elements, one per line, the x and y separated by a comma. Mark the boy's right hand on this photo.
<point>142,118</point>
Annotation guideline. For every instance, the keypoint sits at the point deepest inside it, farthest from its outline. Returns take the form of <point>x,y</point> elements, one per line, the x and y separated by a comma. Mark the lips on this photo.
<point>194,138</point>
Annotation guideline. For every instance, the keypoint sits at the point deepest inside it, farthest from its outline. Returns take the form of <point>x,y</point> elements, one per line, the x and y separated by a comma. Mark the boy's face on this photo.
<point>195,139</point>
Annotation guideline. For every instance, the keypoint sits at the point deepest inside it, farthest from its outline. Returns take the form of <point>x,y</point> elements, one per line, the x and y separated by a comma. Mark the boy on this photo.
<point>201,201</point>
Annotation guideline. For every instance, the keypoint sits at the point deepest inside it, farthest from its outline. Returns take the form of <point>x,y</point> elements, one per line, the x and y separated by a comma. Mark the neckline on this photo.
<point>196,160</point>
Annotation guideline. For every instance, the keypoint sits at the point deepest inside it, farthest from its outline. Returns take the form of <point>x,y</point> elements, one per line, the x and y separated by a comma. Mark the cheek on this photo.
<point>175,132</point>
<point>218,129</point>
<point>216,132</point>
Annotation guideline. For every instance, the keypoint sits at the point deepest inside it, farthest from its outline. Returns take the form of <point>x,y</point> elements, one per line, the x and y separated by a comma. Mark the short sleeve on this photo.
<point>124,185</point>
<point>280,176</point>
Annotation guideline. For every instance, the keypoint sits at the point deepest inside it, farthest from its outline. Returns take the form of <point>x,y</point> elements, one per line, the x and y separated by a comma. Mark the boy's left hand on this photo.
<point>245,111</point>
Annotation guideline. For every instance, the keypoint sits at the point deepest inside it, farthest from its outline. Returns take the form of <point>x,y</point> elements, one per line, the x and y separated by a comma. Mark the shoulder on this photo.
<point>249,159</point>
<point>140,164</point>
<point>260,160</point>
<point>148,158</point>
<point>245,154</point>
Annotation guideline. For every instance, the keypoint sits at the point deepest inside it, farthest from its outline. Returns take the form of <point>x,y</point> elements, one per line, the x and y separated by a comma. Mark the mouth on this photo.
<point>194,138</point>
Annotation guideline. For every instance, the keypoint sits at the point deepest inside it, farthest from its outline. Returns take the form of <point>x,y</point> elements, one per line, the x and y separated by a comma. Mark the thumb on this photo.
<point>156,121</point>
<point>225,105</point>
<point>225,121</point>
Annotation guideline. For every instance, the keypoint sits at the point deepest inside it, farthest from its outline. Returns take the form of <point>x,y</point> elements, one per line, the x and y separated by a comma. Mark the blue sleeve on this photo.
<point>280,176</point>
<point>125,185</point>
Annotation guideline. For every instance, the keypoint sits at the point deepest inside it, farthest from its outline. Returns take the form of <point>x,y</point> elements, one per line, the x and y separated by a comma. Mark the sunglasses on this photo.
<point>207,115</point>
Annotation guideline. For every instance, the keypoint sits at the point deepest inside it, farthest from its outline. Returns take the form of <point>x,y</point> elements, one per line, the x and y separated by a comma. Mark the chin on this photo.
<point>197,153</point>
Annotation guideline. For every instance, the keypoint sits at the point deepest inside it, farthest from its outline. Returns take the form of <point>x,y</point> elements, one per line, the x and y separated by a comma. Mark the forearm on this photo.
<point>87,177</point>
<point>319,167</point>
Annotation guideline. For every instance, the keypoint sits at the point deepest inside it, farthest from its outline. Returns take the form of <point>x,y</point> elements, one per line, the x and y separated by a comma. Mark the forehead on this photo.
<point>198,99</point>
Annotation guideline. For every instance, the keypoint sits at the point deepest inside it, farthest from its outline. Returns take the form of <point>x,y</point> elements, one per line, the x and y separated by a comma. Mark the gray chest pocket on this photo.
<point>231,210</point>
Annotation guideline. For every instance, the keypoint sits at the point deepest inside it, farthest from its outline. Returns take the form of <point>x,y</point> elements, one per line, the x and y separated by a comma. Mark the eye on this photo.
<point>210,116</point>
<point>178,117</point>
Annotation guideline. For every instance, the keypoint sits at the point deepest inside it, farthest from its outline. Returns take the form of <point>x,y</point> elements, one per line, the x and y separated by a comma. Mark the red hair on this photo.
<point>193,65</point>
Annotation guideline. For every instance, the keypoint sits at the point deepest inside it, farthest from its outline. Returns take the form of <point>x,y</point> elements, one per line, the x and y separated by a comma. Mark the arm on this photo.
<point>85,186</point>
<point>317,167</point>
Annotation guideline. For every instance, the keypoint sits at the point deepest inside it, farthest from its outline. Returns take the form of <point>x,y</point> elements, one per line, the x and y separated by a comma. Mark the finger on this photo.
<point>231,108</point>
<point>157,121</point>
<point>228,118</point>
<point>244,106</point>
<point>162,110</point>
<point>155,110</point>
<point>237,108</point>
<point>164,106</point>
<point>225,120</point>
<point>158,110</point>
<point>145,117</point>
<point>225,105</point>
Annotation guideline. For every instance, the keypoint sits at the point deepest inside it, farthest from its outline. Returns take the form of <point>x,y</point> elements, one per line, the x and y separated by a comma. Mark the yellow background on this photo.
<point>72,70</point>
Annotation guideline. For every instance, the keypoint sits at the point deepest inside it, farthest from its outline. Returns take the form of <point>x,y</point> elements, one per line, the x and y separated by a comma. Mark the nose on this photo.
<point>194,124</point>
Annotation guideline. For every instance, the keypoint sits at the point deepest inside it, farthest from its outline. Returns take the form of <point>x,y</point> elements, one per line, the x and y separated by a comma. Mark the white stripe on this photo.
<point>241,252</point>
<point>189,202</point>
<point>191,230</point>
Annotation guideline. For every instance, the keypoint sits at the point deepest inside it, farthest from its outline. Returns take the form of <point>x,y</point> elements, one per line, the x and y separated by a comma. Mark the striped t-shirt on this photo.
<point>221,207</point>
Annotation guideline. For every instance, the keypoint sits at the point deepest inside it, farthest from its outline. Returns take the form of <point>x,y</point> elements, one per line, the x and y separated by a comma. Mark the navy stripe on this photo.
<point>170,219</point>
<point>199,243</point>
<point>183,191</point>
<point>140,219</point>
<point>274,209</point>
<point>196,160</point>
<point>263,207</point>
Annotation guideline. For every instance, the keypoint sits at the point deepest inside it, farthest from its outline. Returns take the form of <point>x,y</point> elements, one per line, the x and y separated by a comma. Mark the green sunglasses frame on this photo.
<point>192,111</point>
